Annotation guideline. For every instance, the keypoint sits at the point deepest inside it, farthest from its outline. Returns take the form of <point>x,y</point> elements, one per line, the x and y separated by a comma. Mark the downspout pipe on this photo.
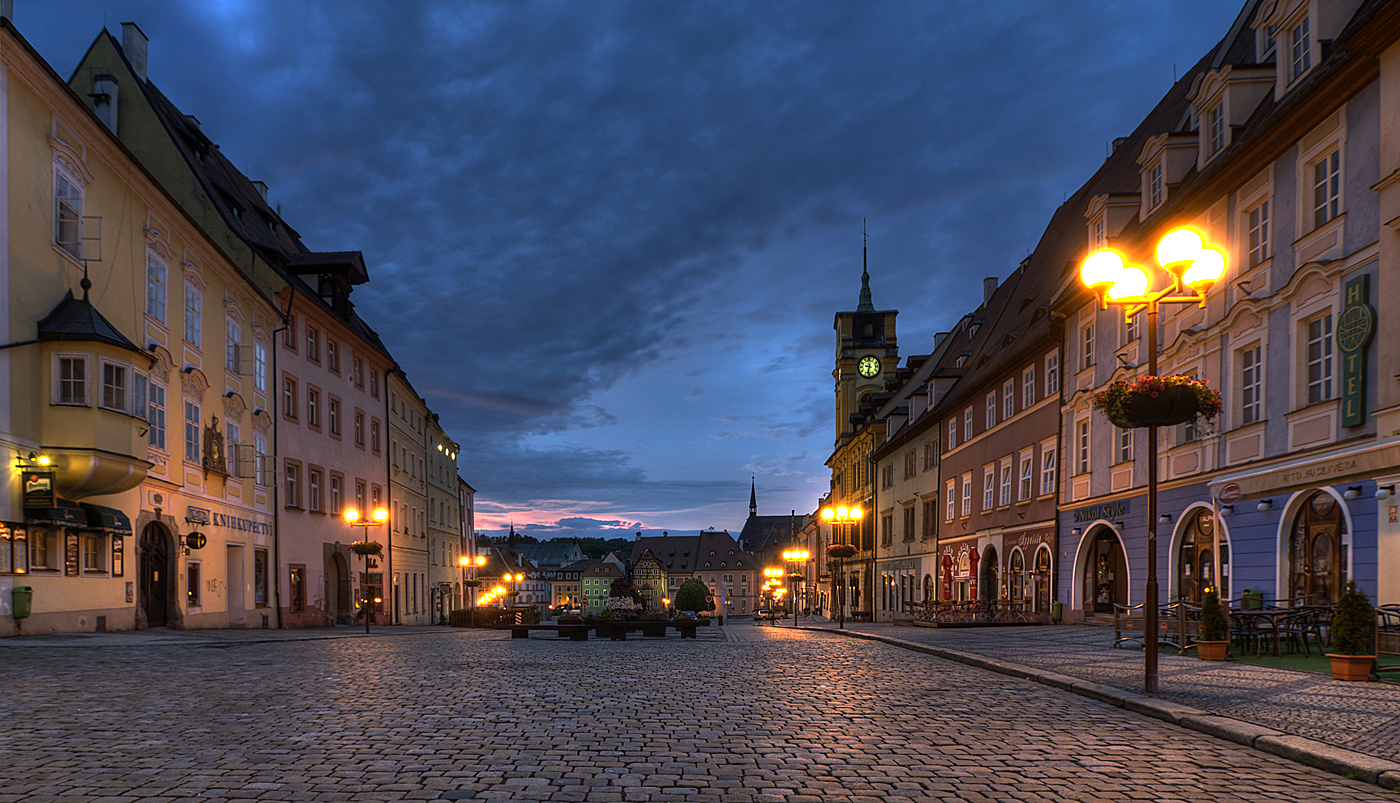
<point>273,387</point>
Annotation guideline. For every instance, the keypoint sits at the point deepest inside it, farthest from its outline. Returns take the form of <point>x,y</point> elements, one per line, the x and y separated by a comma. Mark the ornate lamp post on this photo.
<point>795,556</point>
<point>364,548</point>
<point>840,517</point>
<point>1191,269</point>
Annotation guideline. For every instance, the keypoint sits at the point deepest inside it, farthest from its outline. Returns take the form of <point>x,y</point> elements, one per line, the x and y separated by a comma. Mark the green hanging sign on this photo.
<point>1355,328</point>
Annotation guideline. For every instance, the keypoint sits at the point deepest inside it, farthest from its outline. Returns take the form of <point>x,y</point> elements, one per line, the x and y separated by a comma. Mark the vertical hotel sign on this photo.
<point>1354,330</point>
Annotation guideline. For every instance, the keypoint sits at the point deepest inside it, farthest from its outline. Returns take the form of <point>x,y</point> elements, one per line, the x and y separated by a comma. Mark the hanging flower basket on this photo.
<point>471,584</point>
<point>840,551</point>
<point>795,576</point>
<point>365,548</point>
<point>1157,401</point>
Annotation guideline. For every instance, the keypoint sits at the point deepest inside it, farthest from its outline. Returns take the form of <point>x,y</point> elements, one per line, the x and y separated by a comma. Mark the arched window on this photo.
<point>1017,580</point>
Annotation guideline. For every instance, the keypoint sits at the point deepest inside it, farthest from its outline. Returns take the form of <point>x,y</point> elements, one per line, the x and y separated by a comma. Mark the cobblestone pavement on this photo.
<point>1364,717</point>
<point>742,713</point>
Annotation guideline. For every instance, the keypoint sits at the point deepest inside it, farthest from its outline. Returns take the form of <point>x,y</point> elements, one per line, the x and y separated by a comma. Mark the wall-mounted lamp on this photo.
<point>1353,492</point>
<point>1165,518</point>
<point>34,459</point>
<point>1074,532</point>
<point>1385,491</point>
<point>1264,504</point>
<point>1227,510</point>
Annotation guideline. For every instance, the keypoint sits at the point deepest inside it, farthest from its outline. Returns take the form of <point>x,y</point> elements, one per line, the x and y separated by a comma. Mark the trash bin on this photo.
<point>1057,611</point>
<point>23,601</point>
<point>1252,599</point>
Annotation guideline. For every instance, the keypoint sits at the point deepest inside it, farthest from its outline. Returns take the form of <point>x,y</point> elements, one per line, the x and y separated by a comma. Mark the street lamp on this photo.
<point>841,516</point>
<point>796,556</point>
<point>1191,268</point>
<point>364,548</point>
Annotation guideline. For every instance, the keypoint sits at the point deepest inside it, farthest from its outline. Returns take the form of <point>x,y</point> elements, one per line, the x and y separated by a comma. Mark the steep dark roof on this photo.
<point>676,552</point>
<point>766,533</point>
<point>76,319</point>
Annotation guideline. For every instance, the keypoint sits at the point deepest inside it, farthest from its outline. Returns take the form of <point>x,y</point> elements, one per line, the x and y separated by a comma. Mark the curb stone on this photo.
<point>1309,752</point>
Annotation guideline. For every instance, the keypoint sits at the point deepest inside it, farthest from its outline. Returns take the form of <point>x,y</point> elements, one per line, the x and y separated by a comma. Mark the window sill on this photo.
<point>297,508</point>
<point>96,573</point>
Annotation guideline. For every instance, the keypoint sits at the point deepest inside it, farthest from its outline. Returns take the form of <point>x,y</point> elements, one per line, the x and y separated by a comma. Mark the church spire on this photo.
<point>866,304</point>
<point>753,497</point>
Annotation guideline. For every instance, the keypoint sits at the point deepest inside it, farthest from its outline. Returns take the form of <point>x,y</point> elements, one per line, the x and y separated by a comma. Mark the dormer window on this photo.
<point>1154,186</point>
<point>1267,42</point>
<point>1299,50</point>
<point>1098,233</point>
<point>1215,129</point>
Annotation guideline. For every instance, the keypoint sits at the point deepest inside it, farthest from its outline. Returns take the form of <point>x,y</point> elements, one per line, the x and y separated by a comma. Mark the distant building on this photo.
<point>596,582</point>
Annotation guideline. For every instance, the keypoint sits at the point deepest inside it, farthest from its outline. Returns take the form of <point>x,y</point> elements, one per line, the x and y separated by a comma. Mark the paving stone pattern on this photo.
<point>742,713</point>
<point>1358,716</point>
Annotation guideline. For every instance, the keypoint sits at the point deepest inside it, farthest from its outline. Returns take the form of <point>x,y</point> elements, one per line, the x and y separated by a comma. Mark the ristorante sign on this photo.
<point>199,515</point>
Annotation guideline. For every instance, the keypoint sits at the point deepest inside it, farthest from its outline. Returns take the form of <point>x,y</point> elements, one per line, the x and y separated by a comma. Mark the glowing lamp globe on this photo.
<point>1205,271</point>
<point>1131,283</point>
<point>352,515</point>
<point>1179,248</point>
<point>1100,270</point>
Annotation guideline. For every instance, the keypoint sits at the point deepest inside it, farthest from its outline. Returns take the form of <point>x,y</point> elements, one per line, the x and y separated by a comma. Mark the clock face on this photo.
<point>868,367</point>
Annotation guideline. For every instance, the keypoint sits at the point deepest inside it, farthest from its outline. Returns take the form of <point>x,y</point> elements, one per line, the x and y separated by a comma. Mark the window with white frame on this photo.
<point>1028,388</point>
<point>1052,374</point>
<point>1125,445</point>
<point>261,467</point>
<point>1086,342</point>
<point>156,416</point>
<point>72,380</point>
<point>1327,187</point>
<point>989,482</point>
<point>1215,129</point>
<point>967,494</point>
<point>991,409</point>
<point>68,211</point>
<point>259,365</point>
<point>1251,384</point>
<point>1047,470</point>
<point>952,491</point>
<point>1154,186</point>
<point>1319,358</point>
<point>1268,40</point>
<point>930,454</point>
<point>1257,225</point>
<point>1082,444</point>
<point>191,431</point>
<point>1005,482</point>
<point>313,491</point>
<point>235,346</point>
<point>94,552</point>
<point>157,282</point>
<point>1008,399</point>
<point>313,407</point>
<point>113,386</point>
<point>967,425</point>
<point>194,311</point>
<point>1299,50</point>
<point>1098,233</point>
<point>952,433</point>
<point>1027,479</point>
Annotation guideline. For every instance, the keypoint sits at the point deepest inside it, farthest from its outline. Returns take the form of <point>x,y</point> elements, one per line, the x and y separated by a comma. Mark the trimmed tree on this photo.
<point>1353,623</point>
<point>1214,626</point>
<point>693,595</point>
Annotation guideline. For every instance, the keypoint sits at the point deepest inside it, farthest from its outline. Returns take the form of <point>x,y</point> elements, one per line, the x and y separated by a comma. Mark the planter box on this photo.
<point>1212,650</point>
<point>1175,405</point>
<point>1351,667</point>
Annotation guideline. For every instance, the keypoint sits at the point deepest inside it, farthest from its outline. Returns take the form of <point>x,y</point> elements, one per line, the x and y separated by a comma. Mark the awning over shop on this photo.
<point>63,514</point>
<point>106,519</point>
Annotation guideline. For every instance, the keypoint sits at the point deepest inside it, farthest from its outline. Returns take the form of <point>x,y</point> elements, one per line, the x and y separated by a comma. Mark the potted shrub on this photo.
<point>1353,636</point>
<point>1157,401</point>
<point>1213,640</point>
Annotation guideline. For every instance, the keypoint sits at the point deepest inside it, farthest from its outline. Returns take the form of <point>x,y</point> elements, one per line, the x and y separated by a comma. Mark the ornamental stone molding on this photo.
<point>165,363</point>
<point>262,422</point>
<point>194,382</point>
<point>234,406</point>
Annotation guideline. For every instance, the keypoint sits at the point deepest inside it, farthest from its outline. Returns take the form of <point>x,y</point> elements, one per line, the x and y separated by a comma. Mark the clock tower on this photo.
<point>867,353</point>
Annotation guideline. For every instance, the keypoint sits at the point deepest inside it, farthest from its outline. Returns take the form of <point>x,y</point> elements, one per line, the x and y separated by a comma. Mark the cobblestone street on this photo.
<point>742,713</point>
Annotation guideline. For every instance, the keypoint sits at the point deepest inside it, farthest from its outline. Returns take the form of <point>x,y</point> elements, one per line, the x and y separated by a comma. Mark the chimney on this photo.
<point>134,46</point>
<point>938,339</point>
<point>989,286</point>
<point>7,9</point>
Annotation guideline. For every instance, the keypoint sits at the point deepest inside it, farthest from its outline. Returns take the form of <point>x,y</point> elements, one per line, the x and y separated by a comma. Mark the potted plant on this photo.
<point>366,548</point>
<point>1157,401</point>
<point>1214,635</point>
<point>1353,636</point>
<point>841,551</point>
<point>471,584</point>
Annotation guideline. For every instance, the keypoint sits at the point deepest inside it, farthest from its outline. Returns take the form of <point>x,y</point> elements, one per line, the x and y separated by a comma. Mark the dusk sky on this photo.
<point>607,241</point>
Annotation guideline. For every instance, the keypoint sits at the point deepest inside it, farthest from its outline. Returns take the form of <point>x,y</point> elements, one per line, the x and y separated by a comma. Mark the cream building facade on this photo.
<point>408,503</point>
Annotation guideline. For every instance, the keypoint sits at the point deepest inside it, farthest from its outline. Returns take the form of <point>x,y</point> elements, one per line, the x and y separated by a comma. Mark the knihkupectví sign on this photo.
<point>198,515</point>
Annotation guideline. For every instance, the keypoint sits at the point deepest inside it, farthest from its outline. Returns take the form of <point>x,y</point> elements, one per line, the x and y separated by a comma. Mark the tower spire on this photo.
<point>866,304</point>
<point>753,497</point>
